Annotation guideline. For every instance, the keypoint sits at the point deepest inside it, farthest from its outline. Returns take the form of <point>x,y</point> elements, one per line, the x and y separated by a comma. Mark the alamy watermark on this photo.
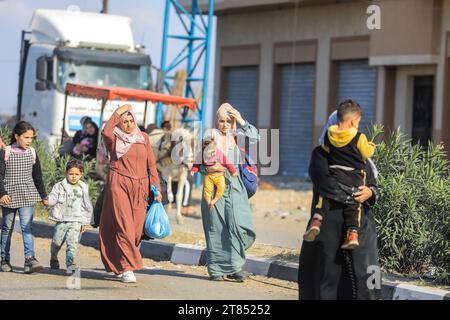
<point>373,22</point>
<point>74,281</point>
<point>374,279</point>
<point>262,147</point>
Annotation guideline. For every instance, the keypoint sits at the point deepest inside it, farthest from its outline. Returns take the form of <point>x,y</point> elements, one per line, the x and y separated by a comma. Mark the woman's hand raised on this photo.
<point>237,115</point>
<point>122,109</point>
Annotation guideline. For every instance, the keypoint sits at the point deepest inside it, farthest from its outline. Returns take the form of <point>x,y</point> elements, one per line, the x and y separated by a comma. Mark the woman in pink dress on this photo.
<point>132,164</point>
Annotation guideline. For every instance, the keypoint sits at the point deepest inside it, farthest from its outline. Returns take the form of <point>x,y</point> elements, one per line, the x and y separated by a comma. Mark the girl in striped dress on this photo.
<point>21,187</point>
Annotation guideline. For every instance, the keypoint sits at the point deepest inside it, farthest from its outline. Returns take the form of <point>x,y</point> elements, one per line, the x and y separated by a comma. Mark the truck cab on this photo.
<point>81,48</point>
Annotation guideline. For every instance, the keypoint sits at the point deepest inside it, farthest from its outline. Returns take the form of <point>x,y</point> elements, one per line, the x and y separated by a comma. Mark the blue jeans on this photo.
<point>68,232</point>
<point>26,221</point>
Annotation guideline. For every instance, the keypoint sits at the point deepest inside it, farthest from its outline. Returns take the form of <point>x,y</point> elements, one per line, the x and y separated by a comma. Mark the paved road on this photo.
<point>159,280</point>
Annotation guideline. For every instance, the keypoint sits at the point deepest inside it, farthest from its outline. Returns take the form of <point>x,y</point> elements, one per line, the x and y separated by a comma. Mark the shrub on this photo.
<point>413,211</point>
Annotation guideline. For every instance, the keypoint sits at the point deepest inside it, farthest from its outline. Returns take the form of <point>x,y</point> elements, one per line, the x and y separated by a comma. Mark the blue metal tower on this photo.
<point>196,35</point>
<point>197,40</point>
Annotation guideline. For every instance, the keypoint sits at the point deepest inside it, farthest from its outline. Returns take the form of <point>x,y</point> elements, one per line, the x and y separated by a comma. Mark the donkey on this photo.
<point>174,159</point>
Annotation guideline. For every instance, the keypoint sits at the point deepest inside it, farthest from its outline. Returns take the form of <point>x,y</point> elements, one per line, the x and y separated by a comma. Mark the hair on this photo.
<point>20,128</point>
<point>347,107</point>
<point>91,122</point>
<point>94,125</point>
<point>166,124</point>
<point>85,119</point>
<point>75,163</point>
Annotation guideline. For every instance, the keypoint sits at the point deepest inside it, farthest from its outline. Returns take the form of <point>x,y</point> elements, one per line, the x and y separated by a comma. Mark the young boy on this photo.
<point>348,151</point>
<point>72,212</point>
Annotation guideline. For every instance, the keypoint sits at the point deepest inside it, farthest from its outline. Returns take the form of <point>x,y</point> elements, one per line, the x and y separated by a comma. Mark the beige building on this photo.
<point>286,64</point>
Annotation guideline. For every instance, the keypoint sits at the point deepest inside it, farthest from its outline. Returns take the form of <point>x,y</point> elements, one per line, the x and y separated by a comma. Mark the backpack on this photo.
<point>8,152</point>
<point>249,173</point>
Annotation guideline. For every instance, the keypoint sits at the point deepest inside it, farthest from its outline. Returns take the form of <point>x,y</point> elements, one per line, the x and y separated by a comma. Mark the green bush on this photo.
<point>413,212</point>
<point>54,168</point>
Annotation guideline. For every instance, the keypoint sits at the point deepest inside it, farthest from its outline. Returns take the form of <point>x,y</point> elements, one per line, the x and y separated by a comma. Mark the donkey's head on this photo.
<point>181,147</point>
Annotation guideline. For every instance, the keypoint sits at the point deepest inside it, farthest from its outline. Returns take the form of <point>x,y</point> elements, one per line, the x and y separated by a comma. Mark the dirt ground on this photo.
<point>280,214</point>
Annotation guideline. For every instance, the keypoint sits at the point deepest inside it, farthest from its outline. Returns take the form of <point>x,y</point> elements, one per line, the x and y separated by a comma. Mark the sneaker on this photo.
<point>6,266</point>
<point>128,277</point>
<point>351,241</point>
<point>216,278</point>
<point>72,268</point>
<point>313,230</point>
<point>238,276</point>
<point>31,265</point>
<point>54,264</point>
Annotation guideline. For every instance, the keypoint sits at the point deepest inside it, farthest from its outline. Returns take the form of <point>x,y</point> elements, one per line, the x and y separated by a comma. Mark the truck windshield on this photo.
<point>112,75</point>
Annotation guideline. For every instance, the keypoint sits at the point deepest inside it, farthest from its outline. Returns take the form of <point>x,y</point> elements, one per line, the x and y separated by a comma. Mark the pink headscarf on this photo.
<point>225,141</point>
<point>124,140</point>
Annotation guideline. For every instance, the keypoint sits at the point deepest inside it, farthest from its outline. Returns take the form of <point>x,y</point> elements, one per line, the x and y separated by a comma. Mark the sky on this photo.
<point>147,23</point>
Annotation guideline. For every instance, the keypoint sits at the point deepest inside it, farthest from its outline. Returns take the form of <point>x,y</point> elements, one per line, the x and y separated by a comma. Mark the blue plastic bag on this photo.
<point>156,223</point>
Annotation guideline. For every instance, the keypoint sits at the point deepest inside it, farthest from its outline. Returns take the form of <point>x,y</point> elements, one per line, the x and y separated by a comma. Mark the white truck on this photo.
<point>81,48</point>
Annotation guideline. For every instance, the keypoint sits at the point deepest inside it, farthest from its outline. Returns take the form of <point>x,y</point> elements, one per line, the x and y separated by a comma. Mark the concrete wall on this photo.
<point>413,41</point>
<point>400,19</point>
<point>404,92</point>
<point>442,107</point>
<point>285,25</point>
<point>232,6</point>
<point>404,95</point>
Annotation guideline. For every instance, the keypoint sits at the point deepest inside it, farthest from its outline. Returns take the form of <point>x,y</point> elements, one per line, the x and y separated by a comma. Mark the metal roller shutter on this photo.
<point>357,80</point>
<point>296,118</point>
<point>242,91</point>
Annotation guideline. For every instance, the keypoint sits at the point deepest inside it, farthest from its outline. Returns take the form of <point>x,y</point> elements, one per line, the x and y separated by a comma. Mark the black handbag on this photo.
<point>98,208</point>
<point>151,196</point>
